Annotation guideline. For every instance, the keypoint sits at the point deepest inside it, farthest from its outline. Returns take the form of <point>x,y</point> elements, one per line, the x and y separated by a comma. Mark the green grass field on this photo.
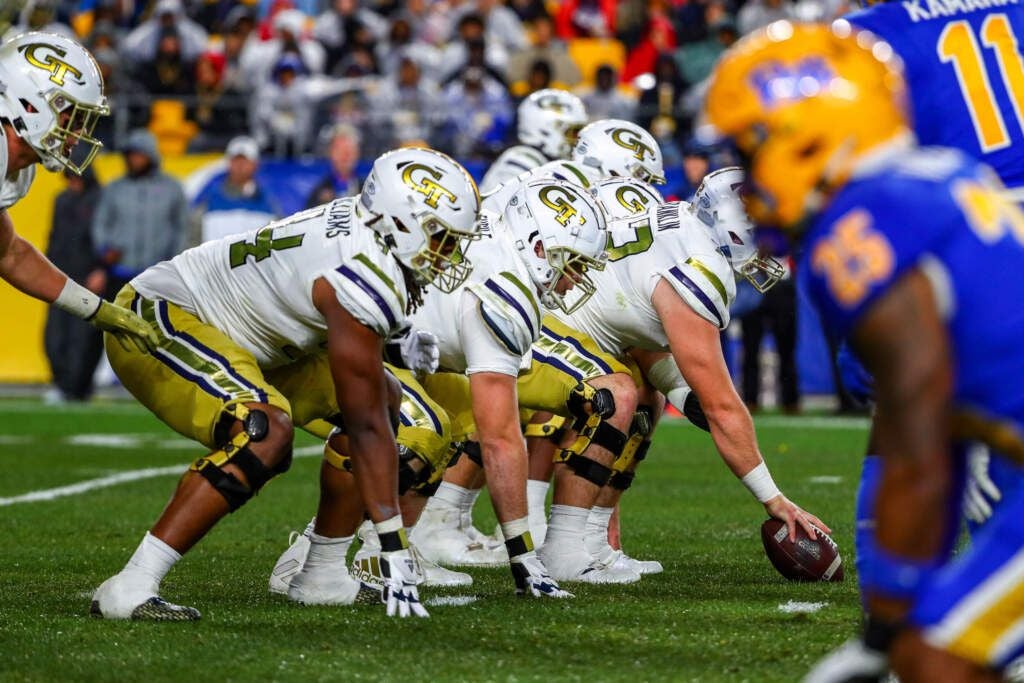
<point>714,615</point>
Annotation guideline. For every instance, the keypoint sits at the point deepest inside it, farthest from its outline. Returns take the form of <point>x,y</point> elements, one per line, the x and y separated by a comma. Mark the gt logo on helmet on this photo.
<point>427,184</point>
<point>561,204</point>
<point>632,199</point>
<point>627,139</point>
<point>551,102</point>
<point>48,58</point>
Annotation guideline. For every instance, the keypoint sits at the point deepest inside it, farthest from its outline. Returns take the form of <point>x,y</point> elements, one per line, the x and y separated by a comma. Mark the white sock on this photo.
<point>447,496</point>
<point>596,537</point>
<point>327,552</point>
<point>536,496</point>
<point>567,523</point>
<point>466,507</point>
<point>153,558</point>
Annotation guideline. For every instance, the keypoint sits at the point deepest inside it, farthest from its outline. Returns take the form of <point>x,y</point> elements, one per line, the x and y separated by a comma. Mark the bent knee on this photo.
<point>625,392</point>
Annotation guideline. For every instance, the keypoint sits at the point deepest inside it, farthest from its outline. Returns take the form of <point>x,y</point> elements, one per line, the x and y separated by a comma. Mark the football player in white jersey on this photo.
<point>548,240</point>
<point>667,288</point>
<point>51,97</point>
<point>549,121</point>
<point>246,326</point>
<point>547,243</point>
<point>606,148</point>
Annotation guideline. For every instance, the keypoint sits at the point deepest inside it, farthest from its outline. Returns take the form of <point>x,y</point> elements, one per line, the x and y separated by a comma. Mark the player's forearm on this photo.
<point>506,464</point>
<point>732,430</point>
<point>25,268</point>
<point>375,465</point>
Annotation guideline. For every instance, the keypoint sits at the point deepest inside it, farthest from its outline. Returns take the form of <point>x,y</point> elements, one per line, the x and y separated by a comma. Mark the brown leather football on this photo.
<point>804,560</point>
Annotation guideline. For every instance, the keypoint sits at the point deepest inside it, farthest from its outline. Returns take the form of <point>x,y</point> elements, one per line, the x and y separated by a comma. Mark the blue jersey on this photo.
<point>963,65</point>
<point>937,209</point>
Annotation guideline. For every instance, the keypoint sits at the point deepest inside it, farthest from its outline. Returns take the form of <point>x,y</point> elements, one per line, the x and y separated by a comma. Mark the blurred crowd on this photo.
<point>448,73</point>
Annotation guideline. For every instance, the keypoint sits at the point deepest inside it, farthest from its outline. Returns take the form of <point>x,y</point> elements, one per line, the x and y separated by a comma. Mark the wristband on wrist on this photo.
<point>391,534</point>
<point>77,300</point>
<point>760,483</point>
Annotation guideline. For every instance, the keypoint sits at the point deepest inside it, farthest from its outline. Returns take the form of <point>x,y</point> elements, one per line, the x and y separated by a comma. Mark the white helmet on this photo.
<point>425,205</point>
<point>550,120</point>
<point>52,93</point>
<point>717,205</point>
<point>626,197</point>
<point>620,148</point>
<point>570,227</point>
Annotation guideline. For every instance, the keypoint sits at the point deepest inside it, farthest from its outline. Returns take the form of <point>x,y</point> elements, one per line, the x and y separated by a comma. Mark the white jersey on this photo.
<point>13,190</point>
<point>499,198</point>
<point>257,287</point>
<point>512,162</point>
<point>666,243</point>
<point>489,323</point>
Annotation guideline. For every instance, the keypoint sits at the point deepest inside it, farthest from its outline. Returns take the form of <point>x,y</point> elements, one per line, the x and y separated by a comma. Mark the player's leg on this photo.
<point>572,376</point>
<point>603,542</point>
<point>969,621</point>
<point>441,533</point>
<point>544,432</point>
<point>206,387</point>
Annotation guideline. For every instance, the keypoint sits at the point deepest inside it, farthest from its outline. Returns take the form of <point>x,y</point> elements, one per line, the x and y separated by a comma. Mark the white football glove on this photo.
<point>532,578</point>
<point>401,574</point>
<point>853,661</point>
<point>980,492</point>
<point>419,351</point>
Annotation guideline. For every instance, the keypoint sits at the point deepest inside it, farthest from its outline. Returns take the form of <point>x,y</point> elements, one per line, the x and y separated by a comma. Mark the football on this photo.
<point>804,560</point>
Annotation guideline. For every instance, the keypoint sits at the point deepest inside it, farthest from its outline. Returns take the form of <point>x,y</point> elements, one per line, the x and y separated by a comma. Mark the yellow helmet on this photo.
<point>803,102</point>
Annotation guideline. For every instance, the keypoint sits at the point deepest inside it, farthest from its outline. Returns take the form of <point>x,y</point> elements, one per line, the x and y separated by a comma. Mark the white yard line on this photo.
<point>793,607</point>
<point>825,479</point>
<point>119,478</point>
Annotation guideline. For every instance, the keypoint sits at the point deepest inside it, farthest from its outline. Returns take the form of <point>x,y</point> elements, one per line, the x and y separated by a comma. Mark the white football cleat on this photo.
<point>289,564</point>
<point>129,596</point>
<point>324,585</point>
<point>641,567</point>
<point>570,562</point>
<point>434,575</point>
<point>439,539</point>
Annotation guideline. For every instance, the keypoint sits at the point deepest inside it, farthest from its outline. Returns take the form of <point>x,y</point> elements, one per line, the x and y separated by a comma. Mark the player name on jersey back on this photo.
<point>926,10</point>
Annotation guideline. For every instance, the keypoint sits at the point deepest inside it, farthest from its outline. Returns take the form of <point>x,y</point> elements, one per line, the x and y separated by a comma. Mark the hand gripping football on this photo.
<point>804,560</point>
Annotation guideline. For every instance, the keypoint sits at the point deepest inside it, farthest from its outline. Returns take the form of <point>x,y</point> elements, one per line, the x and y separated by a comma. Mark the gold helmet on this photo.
<point>803,103</point>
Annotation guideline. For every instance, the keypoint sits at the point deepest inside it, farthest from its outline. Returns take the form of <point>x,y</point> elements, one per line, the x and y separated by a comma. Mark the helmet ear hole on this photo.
<point>27,106</point>
<point>400,225</point>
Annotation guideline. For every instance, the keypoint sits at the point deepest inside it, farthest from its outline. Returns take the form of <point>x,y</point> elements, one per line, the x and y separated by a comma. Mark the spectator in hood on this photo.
<point>220,110</point>
<point>141,219</point>
<point>347,24</point>
<point>140,46</point>
<point>73,346</point>
<point>605,101</point>
<point>168,73</point>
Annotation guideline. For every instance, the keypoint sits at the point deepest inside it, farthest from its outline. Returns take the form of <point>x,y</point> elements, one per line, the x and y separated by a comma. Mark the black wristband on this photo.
<point>878,634</point>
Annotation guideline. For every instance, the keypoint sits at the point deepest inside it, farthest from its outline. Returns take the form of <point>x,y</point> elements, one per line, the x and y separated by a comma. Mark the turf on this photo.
<point>712,616</point>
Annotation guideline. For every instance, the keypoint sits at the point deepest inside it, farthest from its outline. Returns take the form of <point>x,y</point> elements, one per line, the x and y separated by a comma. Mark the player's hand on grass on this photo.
<point>532,578</point>
<point>784,509</point>
<point>126,327</point>
<point>400,578</point>
<point>853,662</point>
<point>980,493</point>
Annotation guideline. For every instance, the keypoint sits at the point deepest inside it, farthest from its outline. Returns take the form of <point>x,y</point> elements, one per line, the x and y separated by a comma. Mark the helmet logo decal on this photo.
<point>561,204</point>
<point>427,184</point>
<point>552,102</point>
<point>48,58</point>
<point>623,137</point>
<point>632,199</point>
<point>777,83</point>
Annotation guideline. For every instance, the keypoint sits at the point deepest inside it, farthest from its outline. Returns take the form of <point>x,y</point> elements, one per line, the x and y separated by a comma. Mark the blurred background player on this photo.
<point>891,238</point>
<point>242,356</point>
<point>51,100</point>
<point>548,123</point>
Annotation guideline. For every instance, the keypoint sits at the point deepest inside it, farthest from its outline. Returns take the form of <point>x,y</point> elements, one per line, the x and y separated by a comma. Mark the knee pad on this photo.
<point>695,413</point>
<point>255,427</point>
<point>553,430</point>
<point>338,461</point>
<point>471,449</point>
<point>592,431</point>
<point>635,449</point>
<point>602,402</point>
